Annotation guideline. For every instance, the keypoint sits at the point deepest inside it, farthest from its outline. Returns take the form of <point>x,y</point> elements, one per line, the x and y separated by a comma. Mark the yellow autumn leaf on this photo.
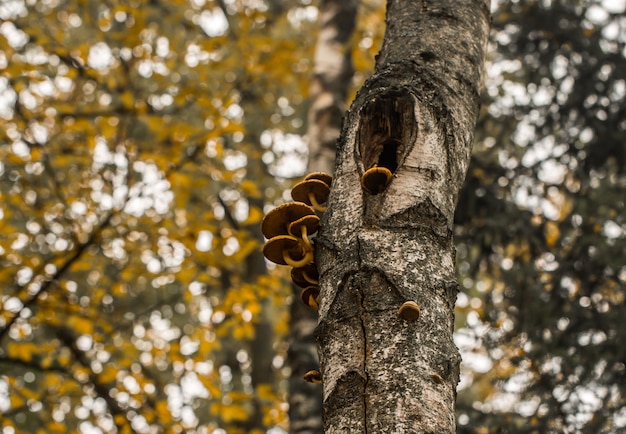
<point>81,325</point>
<point>251,189</point>
<point>16,401</point>
<point>163,413</point>
<point>64,358</point>
<point>47,360</point>
<point>56,427</point>
<point>22,350</point>
<point>119,419</point>
<point>108,374</point>
<point>265,391</point>
<point>243,331</point>
<point>213,388</point>
<point>551,232</point>
<point>255,215</point>
<point>229,412</point>
<point>28,393</point>
<point>181,185</point>
<point>254,307</point>
<point>52,382</point>
<point>128,99</point>
<point>245,248</point>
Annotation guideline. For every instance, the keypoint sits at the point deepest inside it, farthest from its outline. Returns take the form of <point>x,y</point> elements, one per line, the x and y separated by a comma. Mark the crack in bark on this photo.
<point>362,312</point>
<point>362,321</point>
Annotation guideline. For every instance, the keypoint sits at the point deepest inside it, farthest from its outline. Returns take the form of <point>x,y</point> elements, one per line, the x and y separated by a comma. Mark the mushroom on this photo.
<point>288,250</point>
<point>312,192</point>
<point>409,311</point>
<point>305,276</point>
<point>436,378</point>
<point>313,377</point>
<point>376,179</point>
<point>303,227</point>
<point>321,176</point>
<point>310,296</point>
<point>277,221</point>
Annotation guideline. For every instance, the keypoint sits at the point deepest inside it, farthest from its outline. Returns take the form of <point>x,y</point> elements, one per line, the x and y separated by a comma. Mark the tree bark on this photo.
<point>414,117</point>
<point>328,90</point>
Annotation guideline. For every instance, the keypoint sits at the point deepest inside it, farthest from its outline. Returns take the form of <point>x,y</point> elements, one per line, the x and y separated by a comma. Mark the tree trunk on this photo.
<point>377,250</point>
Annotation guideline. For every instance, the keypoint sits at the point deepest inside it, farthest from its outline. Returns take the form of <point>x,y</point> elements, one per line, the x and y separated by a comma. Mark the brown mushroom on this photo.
<point>288,250</point>
<point>311,296</point>
<point>322,176</point>
<point>313,377</point>
<point>305,276</point>
<point>312,192</point>
<point>303,227</point>
<point>409,311</point>
<point>376,179</point>
<point>276,222</point>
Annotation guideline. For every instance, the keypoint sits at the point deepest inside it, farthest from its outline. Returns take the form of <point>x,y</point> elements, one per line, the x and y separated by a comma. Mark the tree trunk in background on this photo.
<point>415,116</point>
<point>330,82</point>
<point>329,86</point>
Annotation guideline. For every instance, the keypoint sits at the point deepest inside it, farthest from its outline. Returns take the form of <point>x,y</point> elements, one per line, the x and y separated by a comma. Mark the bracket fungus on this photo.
<point>288,250</point>
<point>310,296</point>
<point>312,192</point>
<point>409,311</point>
<point>376,179</point>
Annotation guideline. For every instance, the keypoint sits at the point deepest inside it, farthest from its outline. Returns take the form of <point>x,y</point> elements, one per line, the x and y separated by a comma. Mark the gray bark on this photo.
<point>414,116</point>
<point>329,86</point>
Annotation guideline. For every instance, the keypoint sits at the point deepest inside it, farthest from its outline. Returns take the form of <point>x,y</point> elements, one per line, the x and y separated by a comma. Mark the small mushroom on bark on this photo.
<point>313,192</point>
<point>310,296</point>
<point>288,250</point>
<point>277,221</point>
<point>376,179</point>
<point>409,311</point>
<point>305,276</point>
<point>313,377</point>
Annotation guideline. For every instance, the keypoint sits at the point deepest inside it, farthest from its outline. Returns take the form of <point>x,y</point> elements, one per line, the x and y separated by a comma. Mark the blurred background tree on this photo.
<point>141,142</point>
<point>541,232</point>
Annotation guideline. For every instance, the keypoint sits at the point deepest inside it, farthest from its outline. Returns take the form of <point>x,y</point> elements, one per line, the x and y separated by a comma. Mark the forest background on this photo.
<point>142,141</point>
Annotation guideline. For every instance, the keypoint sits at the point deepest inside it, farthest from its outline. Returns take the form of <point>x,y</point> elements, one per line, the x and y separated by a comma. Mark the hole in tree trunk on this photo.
<point>386,128</point>
<point>388,156</point>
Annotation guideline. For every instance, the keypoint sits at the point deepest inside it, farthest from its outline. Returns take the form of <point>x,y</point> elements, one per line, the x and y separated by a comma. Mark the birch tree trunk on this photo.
<point>415,117</point>
<point>329,87</point>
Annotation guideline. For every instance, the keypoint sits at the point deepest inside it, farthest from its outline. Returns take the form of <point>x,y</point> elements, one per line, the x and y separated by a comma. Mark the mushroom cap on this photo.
<point>322,176</point>
<point>305,276</point>
<point>311,222</point>
<point>310,295</point>
<point>276,222</point>
<point>313,377</point>
<point>376,179</point>
<point>274,248</point>
<point>319,189</point>
<point>409,311</point>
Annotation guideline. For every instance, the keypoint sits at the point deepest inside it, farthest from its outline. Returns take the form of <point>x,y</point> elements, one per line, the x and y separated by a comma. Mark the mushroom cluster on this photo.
<point>288,229</point>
